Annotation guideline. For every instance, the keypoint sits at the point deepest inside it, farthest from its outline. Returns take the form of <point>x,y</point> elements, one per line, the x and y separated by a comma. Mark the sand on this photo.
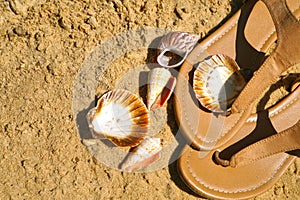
<point>44,45</point>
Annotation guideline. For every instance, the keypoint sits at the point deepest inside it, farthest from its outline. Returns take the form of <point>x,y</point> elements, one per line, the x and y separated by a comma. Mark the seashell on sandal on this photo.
<point>243,154</point>
<point>217,82</point>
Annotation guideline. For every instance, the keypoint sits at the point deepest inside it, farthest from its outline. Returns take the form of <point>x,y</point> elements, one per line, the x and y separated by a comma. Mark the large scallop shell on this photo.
<point>217,82</point>
<point>174,48</point>
<point>160,87</point>
<point>121,117</point>
<point>142,155</point>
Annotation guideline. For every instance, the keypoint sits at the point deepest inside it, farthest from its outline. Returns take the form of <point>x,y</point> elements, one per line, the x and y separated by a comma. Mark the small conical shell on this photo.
<point>160,87</point>
<point>143,155</point>
<point>175,47</point>
<point>121,117</point>
<point>217,82</point>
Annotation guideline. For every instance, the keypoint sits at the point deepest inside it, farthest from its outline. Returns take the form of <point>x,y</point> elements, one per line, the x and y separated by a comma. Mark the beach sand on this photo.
<point>44,45</point>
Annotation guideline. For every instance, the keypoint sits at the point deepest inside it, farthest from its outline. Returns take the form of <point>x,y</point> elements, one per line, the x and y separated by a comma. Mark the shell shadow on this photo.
<point>83,126</point>
<point>82,122</point>
<point>143,76</point>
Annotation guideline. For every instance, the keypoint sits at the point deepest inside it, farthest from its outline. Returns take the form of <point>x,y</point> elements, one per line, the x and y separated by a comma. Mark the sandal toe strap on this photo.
<point>284,141</point>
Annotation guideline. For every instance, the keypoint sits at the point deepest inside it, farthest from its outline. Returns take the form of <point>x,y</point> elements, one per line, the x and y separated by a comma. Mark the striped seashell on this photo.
<point>142,155</point>
<point>217,82</point>
<point>120,116</point>
<point>160,87</point>
<point>175,47</point>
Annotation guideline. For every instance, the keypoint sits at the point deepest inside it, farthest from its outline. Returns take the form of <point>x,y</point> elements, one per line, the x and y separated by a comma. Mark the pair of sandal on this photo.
<point>243,154</point>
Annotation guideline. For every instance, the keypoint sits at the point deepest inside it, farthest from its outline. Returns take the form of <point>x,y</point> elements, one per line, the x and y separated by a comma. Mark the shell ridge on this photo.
<point>115,121</point>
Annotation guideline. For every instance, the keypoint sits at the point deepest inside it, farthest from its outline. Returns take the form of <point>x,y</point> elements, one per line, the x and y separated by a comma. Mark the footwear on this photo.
<point>243,154</point>
<point>238,38</point>
<point>242,168</point>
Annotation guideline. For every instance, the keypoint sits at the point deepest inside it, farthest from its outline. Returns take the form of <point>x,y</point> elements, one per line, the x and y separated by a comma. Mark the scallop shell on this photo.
<point>143,155</point>
<point>160,87</point>
<point>121,117</point>
<point>174,48</point>
<point>217,82</point>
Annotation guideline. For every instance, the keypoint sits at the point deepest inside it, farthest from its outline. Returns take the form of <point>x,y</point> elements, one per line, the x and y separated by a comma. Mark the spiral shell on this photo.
<point>175,47</point>
<point>142,155</point>
<point>217,82</point>
<point>160,87</point>
<point>121,117</point>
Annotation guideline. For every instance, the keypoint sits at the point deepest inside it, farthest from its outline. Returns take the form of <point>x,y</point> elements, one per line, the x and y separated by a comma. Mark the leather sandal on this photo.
<point>243,154</point>
<point>246,36</point>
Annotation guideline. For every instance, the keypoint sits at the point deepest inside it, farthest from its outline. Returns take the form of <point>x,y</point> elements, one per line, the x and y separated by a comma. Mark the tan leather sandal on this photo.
<point>246,37</point>
<point>248,150</point>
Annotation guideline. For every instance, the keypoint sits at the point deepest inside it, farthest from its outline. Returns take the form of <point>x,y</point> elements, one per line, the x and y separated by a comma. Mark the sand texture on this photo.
<point>51,53</point>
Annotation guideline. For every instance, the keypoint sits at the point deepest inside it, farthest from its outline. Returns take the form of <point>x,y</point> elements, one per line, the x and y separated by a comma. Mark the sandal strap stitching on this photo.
<point>237,191</point>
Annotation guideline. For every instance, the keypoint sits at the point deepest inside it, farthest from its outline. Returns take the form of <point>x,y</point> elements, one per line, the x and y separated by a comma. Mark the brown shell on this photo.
<point>120,116</point>
<point>217,82</point>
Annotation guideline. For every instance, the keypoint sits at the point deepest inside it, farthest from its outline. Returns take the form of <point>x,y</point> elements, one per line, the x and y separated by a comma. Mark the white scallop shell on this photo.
<point>120,116</point>
<point>217,82</point>
<point>175,47</point>
<point>142,155</point>
<point>160,87</point>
